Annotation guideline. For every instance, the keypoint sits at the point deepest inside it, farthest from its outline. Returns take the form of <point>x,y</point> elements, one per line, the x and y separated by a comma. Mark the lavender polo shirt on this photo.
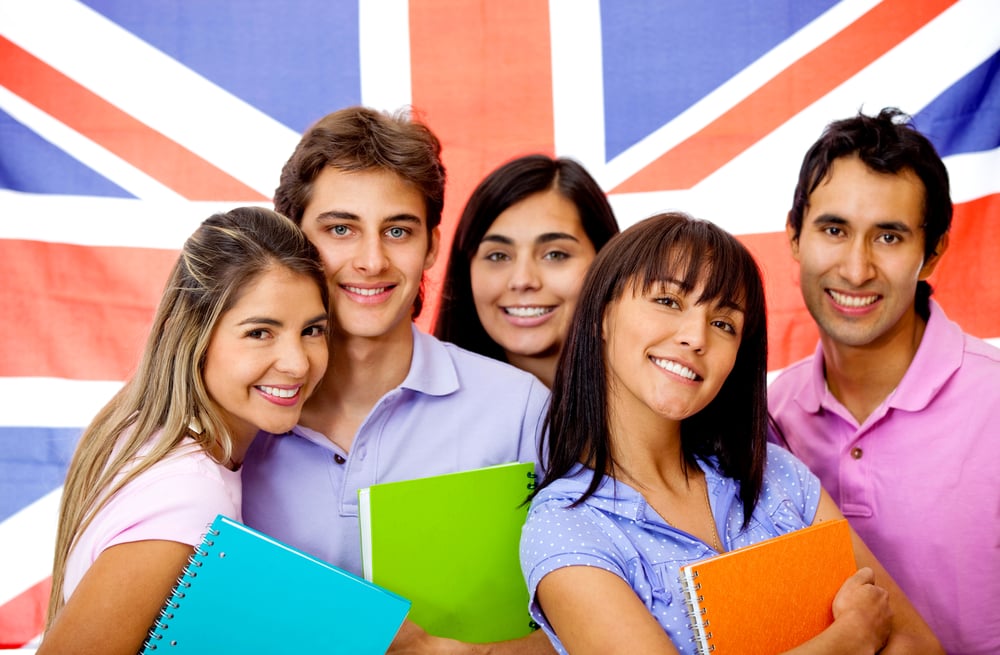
<point>920,479</point>
<point>455,411</point>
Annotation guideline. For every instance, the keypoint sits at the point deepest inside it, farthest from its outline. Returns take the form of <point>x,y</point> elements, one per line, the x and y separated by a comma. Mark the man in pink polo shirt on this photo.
<point>895,411</point>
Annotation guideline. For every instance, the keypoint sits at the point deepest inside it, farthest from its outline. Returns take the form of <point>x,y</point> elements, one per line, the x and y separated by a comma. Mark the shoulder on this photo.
<point>790,492</point>
<point>792,376</point>
<point>558,534</point>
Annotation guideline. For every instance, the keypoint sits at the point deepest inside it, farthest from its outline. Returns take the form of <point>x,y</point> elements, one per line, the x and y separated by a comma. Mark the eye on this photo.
<point>314,331</point>
<point>497,257</point>
<point>258,333</point>
<point>668,301</point>
<point>556,255</point>
<point>889,238</point>
<point>397,232</point>
<point>725,326</point>
<point>833,230</point>
<point>340,230</point>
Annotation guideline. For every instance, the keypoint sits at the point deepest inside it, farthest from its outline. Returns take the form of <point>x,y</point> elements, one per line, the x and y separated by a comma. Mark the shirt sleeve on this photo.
<point>531,431</point>
<point>791,491</point>
<point>176,500</point>
<point>556,536</point>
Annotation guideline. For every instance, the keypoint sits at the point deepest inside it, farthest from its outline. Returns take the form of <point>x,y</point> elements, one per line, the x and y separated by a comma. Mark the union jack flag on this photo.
<point>123,125</point>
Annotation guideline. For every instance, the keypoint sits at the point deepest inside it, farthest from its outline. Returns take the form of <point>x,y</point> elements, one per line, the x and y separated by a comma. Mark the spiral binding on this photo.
<point>173,602</point>
<point>699,625</point>
<point>534,479</point>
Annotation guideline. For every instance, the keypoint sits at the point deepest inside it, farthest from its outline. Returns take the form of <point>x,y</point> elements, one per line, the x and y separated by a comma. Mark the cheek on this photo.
<point>486,284</point>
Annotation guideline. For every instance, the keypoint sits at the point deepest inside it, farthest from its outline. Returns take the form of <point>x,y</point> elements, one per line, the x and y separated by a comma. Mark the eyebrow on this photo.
<point>547,237</point>
<point>833,219</point>
<point>263,320</point>
<point>338,215</point>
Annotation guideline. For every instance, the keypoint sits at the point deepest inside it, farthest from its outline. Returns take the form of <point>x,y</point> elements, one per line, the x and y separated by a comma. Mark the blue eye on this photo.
<point>340,230</point>
<point>396,232</point>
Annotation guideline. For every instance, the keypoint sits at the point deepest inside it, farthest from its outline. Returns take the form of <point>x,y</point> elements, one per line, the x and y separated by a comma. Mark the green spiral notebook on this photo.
<point>245,592</point>
<point>450,543</point>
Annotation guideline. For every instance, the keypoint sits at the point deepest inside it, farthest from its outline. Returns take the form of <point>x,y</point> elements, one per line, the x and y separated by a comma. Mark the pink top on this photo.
<point>175,500</point>
<point>920,480</point>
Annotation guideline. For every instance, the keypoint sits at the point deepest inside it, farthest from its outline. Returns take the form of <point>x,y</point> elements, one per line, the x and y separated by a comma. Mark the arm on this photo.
<point>909,633</point>
<point>117,600</point>
<point>412,640</point>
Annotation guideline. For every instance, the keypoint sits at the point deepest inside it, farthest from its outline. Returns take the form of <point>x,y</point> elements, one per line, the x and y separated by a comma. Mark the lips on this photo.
<point>676,368</point>
<point>528,312</point>
<point>363,291</point>
<point>854,302</point>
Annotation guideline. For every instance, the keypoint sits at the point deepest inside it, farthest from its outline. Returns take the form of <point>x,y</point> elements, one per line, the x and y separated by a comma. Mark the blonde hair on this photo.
<point>226,253</point>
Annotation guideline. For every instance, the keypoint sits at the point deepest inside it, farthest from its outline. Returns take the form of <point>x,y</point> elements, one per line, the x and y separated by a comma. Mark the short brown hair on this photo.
<point>359,139</point>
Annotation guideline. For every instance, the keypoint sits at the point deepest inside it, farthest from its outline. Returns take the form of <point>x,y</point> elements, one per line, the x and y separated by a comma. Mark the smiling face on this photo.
<point>527,273</point>
<point>267,353</point>
<point>861,254</point>
<point>370,228</point>
<point>666,354</point>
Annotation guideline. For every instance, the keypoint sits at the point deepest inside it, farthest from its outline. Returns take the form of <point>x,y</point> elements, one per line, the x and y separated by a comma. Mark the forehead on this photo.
<point>373,194</point>
<point>540,213</point>
<point>854,193</point>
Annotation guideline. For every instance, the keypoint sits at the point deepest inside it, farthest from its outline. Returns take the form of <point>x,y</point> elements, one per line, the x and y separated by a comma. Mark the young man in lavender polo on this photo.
<point>368,188</point>
<point>896,410</point>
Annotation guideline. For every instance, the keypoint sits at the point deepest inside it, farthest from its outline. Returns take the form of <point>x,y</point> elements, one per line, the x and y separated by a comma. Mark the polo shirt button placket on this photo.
<point>339,458</point>
<point>857,453</point>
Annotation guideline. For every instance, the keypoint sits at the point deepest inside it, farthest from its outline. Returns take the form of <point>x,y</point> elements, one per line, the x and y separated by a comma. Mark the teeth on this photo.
<point>366,292</point>
<point>527,312</point>
<point>852,301</point>
<point>674,367</point>
<point>279,393</point>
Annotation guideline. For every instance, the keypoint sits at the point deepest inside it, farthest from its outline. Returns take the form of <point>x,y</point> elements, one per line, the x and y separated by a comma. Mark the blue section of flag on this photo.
<point>295,61</point>
<point>687,49</point>
<point>966,117</point>
<point>31,164</point>
<point>34,463</point>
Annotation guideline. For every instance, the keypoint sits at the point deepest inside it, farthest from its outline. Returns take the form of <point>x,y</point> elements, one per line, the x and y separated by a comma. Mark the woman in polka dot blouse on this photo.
<point>657,455</point>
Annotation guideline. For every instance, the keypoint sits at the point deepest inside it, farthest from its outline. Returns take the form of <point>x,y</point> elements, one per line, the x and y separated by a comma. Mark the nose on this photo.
<point>293,360</point>
<point>524,275</point>
<point>857,266</point>
<point>693,330</point>
<point>370,257</point>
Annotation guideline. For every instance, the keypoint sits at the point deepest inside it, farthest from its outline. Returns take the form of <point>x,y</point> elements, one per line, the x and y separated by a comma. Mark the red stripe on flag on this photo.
<point>788,93</point>
<point>964,282</point>
<point>151,152</point>
<point>77,312</point>
<point>482,79</point>
<point>23,618</point>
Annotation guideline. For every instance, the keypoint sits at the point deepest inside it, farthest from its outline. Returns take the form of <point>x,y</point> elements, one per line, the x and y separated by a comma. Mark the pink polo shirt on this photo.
<point>920,479</point>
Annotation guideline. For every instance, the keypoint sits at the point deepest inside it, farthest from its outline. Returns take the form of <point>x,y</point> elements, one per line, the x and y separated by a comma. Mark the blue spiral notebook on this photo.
<point>246,592</point>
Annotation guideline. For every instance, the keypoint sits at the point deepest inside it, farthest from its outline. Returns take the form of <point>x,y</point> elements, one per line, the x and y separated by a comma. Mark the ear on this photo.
<point>793,241</point>
<point>932,261</point>
<point>432,248</point>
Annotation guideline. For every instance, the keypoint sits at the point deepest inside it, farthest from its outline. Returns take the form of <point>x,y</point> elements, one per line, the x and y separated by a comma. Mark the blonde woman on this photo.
<point>237,344</point>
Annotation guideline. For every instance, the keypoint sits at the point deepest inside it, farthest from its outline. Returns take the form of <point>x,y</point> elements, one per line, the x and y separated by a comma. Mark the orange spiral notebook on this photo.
<point>771,596</point>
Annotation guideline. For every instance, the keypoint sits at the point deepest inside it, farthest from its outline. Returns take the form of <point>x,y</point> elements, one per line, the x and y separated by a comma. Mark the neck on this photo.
<point>543,368</point>
<point>862,377</point>
<point>646,446</point>
<point>361,370</point>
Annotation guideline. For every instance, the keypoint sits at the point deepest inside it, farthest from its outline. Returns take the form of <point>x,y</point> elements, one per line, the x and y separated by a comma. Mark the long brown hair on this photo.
<point>226,253</point>
<point>733,427</point>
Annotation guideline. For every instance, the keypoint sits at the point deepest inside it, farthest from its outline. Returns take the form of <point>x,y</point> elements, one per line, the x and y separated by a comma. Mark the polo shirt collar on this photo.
<point>432,371</point>
<point>937,358</point>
